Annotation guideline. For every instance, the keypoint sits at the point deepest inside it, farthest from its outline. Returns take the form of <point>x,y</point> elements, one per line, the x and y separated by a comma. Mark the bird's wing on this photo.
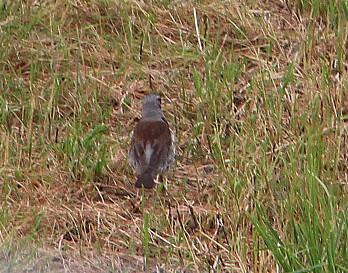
<point>155,135</point>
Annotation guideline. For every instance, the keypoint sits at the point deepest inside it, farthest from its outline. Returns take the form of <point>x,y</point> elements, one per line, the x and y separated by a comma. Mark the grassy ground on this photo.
<point>257,94</point>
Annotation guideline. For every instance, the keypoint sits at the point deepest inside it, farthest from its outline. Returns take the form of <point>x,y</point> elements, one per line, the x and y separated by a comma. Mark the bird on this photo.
<point>152,147</point>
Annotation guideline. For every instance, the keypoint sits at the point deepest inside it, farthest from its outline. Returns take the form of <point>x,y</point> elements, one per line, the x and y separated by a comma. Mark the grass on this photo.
<point>256,94</point>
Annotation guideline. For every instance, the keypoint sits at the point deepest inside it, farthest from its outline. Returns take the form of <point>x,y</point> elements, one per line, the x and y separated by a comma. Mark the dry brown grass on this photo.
<point>73,65</point>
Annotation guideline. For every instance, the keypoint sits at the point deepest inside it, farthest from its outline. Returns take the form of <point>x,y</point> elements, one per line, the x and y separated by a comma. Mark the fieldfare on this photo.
<point>152,148</point>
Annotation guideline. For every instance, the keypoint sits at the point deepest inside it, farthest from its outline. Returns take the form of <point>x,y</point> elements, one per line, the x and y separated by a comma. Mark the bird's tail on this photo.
<point>145,179</point>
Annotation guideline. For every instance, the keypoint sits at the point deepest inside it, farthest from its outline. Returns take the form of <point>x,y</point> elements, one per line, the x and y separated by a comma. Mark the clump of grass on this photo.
<point>85,153</point>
